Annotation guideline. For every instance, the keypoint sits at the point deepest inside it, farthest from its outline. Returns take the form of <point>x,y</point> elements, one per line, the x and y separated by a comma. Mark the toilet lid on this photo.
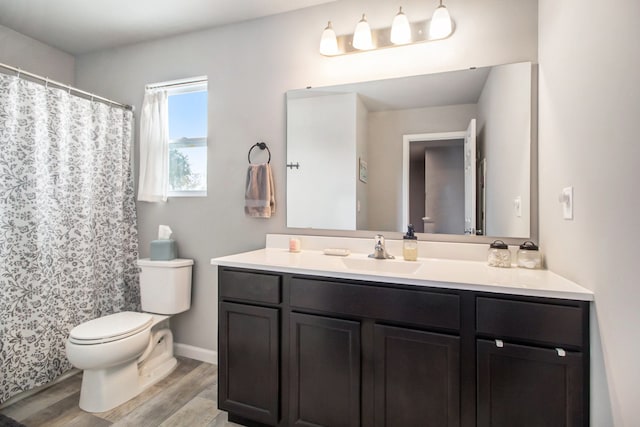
<point>110,328</point>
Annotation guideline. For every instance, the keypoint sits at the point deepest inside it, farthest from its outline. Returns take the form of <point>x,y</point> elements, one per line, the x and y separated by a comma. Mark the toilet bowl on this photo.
<point>124,353</point>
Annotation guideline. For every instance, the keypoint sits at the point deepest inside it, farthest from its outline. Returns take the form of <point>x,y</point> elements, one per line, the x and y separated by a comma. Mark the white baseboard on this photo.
<point>196,353</point>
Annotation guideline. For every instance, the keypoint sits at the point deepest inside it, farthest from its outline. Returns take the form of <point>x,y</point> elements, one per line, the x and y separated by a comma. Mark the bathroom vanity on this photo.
<point>311,340</point>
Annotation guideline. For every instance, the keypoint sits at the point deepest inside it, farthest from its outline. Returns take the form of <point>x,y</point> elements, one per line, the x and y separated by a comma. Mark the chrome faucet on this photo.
<point>379,251</point>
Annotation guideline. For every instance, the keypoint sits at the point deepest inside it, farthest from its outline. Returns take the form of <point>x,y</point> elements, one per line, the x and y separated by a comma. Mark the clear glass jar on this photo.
<point>529,255</point>
<point>410,245</point>
<point>410,250</point>
<point>499,255</point>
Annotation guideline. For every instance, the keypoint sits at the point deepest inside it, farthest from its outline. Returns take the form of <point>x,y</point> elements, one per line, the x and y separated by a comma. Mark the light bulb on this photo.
<point>400,29</point>
<point>440,26</point>
<point>362,35</point>
<point>329,41</point>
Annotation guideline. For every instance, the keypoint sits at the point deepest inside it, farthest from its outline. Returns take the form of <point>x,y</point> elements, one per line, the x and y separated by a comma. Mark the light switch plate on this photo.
<point>517,206</point>
<point>567,202</point>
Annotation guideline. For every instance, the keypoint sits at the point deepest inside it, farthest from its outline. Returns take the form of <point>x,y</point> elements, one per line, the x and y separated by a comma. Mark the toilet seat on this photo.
<point>110,328</point>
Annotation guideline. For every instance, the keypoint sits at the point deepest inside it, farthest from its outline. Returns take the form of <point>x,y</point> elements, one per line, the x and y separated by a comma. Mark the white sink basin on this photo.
<point>381,265</point>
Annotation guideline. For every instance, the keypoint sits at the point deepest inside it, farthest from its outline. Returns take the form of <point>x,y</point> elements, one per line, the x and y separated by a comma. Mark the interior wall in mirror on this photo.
<point>448,152</point>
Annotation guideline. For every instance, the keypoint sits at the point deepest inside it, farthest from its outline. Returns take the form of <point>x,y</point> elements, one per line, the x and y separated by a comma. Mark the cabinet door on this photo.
<point>417,378</point>
<point>325,371</point>
<point>529,386</point>
<point>249,366</point>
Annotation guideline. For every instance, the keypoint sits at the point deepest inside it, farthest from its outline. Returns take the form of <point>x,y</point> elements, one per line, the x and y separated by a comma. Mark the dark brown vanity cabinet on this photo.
<point>417,378</point>
<point>409,375</point>
<point>249,346</point>
<point>325,371</point>
<point>522,385</point>
<point>535,371</point>
<point>309,351</point>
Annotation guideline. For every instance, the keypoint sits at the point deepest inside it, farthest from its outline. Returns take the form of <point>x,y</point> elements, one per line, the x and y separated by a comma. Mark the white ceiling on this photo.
<point>429,90</point>
<point>80,26</point>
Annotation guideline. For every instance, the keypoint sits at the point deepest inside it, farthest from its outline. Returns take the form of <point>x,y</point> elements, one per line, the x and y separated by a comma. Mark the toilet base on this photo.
<point>158,372</point>
<point>157,361</point>
<point>104,389</point>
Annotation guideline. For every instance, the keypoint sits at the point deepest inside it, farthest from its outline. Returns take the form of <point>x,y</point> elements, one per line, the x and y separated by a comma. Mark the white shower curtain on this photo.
<point>68,238</point>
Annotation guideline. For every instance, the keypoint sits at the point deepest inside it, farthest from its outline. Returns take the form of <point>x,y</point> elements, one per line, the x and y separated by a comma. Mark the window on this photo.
<point>188,139</point>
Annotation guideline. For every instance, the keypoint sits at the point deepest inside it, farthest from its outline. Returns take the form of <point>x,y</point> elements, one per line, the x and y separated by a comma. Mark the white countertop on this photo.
<point>431,272</point>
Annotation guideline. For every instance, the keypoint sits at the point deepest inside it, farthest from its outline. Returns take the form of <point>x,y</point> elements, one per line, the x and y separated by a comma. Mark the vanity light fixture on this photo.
<point>362,35</point>
<point>440,25</point>
<point>401,32</point>
<point>400,29</point>
<point>329,41</point>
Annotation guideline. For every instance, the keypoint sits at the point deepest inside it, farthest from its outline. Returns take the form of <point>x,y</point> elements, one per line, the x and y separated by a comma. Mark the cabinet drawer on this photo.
<point>428,309</point>
<point>540,322</point>
<point>243,285</point>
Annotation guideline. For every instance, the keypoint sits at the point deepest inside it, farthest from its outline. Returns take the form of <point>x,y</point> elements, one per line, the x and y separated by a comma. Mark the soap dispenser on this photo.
<point>410,245</point>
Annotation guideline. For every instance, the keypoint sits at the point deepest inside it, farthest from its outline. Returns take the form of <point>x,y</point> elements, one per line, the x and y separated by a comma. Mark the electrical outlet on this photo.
<point>566,198</point>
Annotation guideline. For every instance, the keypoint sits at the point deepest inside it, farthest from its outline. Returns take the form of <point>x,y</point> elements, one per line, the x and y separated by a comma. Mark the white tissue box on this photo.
<point>163,250</point>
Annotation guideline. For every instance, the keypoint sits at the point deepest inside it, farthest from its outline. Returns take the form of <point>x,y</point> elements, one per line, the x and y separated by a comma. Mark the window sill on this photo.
<point>187,194</point>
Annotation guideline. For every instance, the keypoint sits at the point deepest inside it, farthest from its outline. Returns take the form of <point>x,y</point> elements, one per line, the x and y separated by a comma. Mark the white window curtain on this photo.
<point>154,147</point>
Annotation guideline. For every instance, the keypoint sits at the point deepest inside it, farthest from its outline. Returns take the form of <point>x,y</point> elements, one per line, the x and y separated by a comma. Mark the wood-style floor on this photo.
<point>187,397</point>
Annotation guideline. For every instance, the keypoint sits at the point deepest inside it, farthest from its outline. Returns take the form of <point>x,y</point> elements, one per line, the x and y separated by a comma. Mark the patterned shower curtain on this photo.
<point>68,237</point>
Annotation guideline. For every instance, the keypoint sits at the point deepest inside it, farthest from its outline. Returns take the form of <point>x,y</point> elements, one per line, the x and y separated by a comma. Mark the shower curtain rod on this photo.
<point>69,88</point>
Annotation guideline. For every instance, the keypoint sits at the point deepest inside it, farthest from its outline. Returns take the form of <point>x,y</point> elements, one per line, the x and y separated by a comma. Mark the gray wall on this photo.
<point>386,129</point>
<point>31,55</point>
<point>504,120</point>
<point>589,105</point>
<point>362,152</point>
<point>250,67</point>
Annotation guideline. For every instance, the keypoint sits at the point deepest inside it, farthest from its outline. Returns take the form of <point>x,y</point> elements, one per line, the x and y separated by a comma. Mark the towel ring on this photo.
<point>262,146</point>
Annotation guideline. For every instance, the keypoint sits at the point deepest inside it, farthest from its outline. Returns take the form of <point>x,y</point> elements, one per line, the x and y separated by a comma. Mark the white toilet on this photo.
<point>122,354</point>
<point>429,224</point>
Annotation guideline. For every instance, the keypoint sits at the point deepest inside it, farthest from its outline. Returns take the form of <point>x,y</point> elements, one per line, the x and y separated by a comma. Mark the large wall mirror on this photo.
<point>450,153</point>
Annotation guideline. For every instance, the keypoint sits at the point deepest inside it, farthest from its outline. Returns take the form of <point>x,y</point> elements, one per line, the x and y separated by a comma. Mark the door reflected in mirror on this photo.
<point>449,153</point>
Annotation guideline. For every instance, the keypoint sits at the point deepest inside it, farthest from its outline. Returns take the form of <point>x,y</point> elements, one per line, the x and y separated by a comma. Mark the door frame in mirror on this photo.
<point>406,142</point>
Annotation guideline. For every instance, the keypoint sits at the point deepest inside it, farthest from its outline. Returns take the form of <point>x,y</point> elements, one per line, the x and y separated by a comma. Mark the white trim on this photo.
<point>183,88</point>
<point>191,84</point>
<point>406,139</point>
<point>187,193</point>
<point>196,353</point>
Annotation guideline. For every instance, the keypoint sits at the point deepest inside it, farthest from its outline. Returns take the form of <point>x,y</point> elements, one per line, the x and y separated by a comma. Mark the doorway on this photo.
<point>439,182</point>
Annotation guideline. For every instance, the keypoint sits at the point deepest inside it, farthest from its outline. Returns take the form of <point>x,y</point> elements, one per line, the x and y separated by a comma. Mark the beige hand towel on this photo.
<point>259,197</point>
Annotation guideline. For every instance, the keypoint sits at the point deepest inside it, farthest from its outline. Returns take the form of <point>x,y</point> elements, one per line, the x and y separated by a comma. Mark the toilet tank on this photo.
<point>165,286</point>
